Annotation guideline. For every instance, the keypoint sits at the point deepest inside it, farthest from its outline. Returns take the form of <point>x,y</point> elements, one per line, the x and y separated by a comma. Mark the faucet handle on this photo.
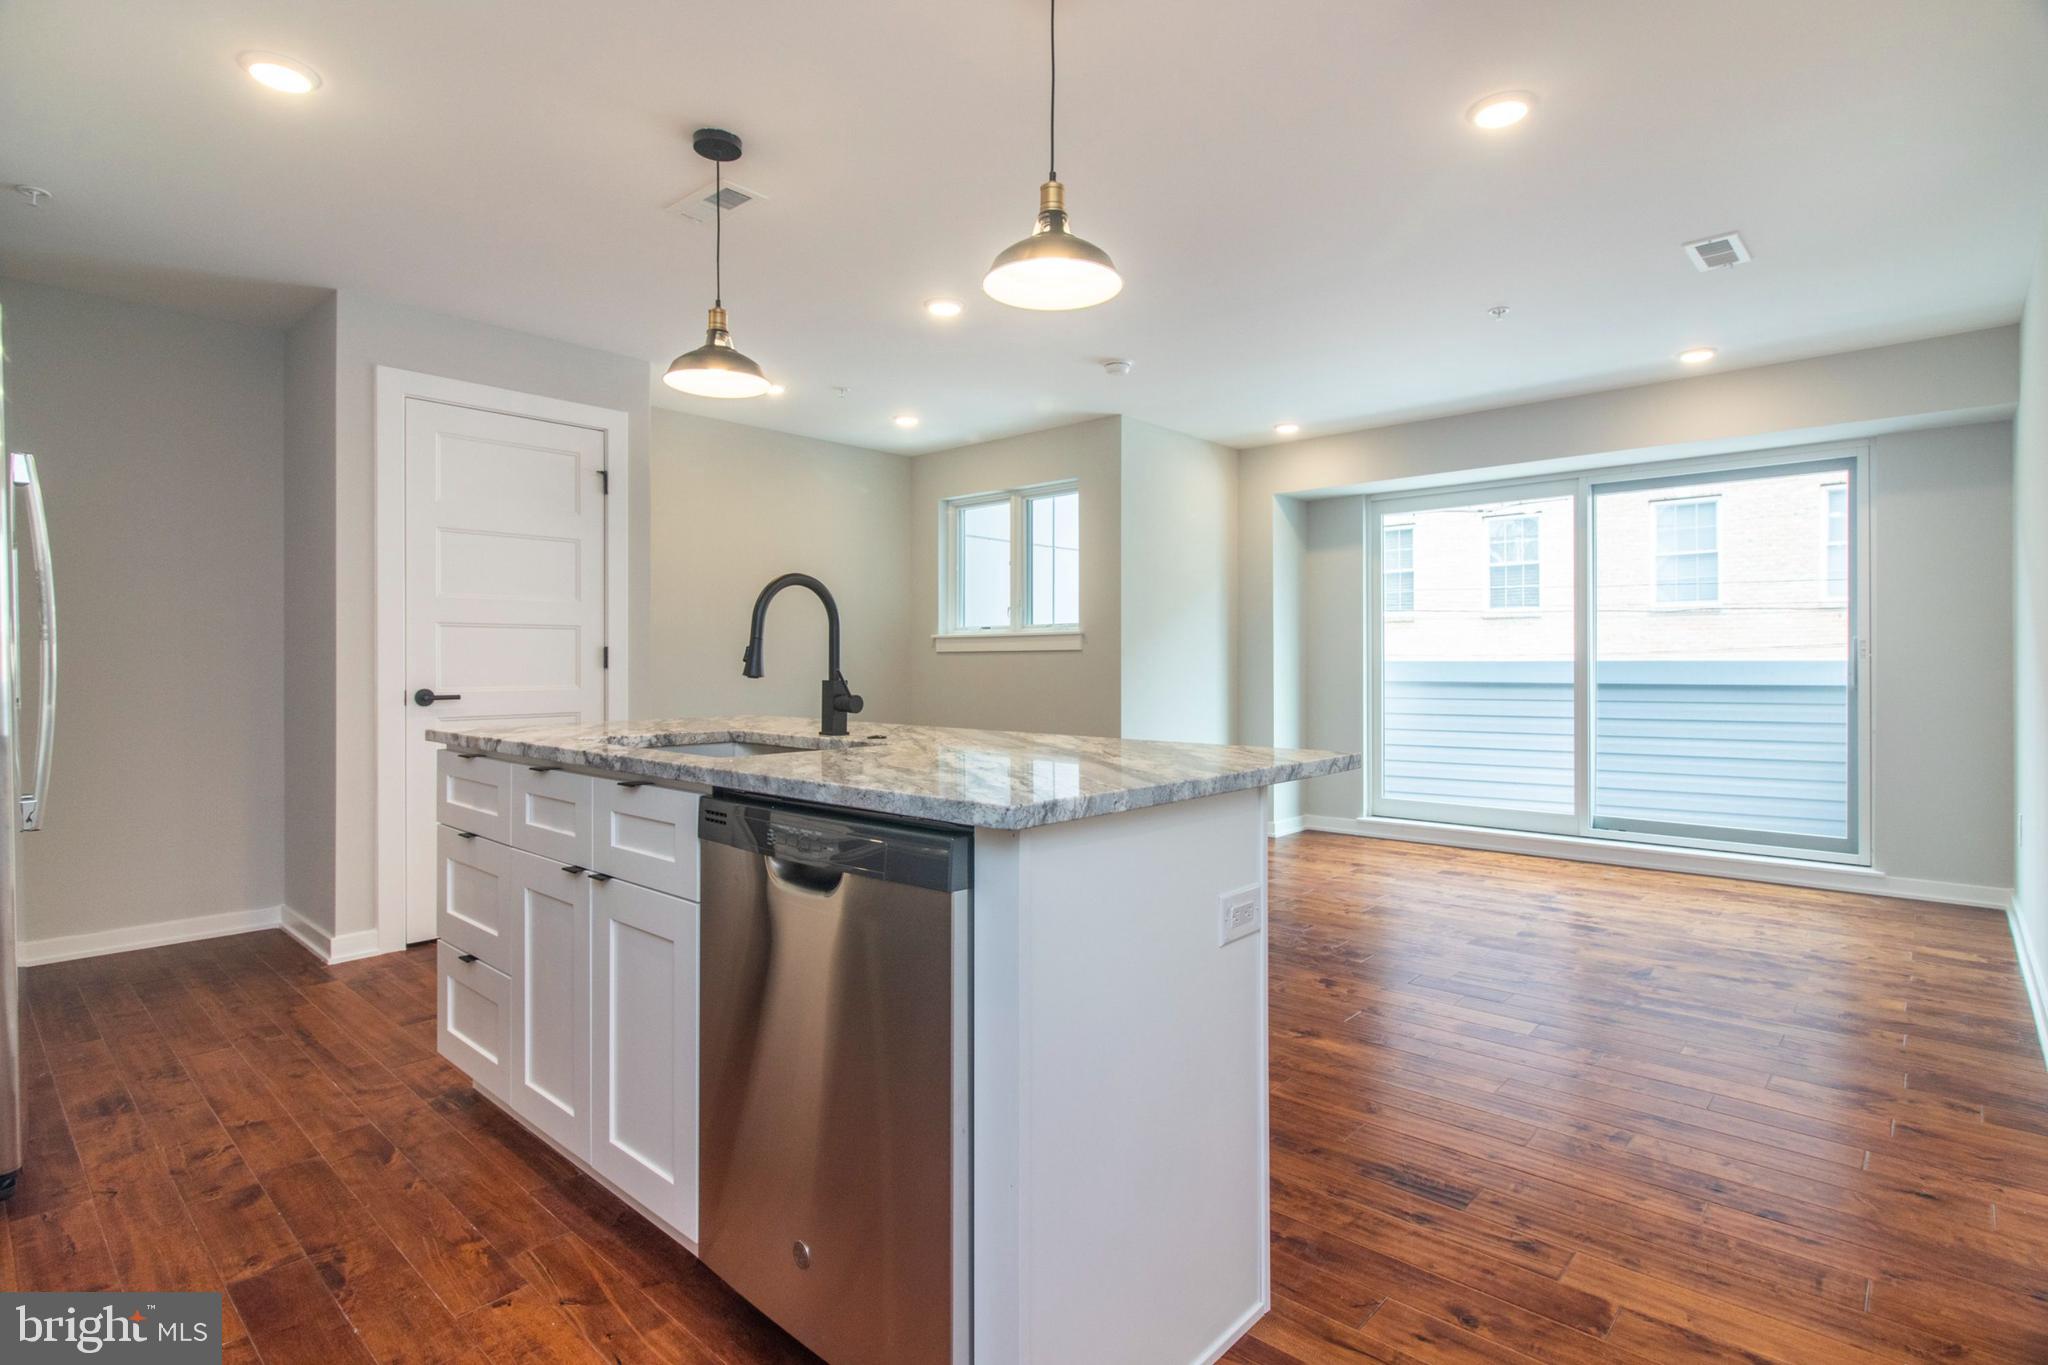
<point>848,702</point>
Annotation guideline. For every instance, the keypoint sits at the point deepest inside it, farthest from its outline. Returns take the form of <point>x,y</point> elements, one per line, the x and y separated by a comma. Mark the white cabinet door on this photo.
<point>472,896</point>
<point>547,914</point>
<point>646,835</point>
<point>644,1048</point>
<point>474,1016</point>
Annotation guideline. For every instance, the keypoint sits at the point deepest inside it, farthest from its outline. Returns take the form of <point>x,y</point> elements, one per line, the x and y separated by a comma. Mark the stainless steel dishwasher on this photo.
<point>834,1095</point>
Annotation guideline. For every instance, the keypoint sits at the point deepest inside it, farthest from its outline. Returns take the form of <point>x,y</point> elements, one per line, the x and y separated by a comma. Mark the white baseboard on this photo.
<point>1863,881</point>
<point>1280,829</point>
<point>68,947</point>
<point>329,948</point>
<point>2030,973</point>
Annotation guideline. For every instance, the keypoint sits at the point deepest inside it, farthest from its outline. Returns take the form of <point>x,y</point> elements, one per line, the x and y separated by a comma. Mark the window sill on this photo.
<point>1006,641</point>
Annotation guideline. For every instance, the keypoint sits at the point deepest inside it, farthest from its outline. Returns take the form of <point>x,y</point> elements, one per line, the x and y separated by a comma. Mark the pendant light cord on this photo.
<point>1052,99</point>
<point>718,234</point>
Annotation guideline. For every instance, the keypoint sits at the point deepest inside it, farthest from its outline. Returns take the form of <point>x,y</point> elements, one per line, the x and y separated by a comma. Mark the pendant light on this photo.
<point>715,369</point>
<point>1052,268</point>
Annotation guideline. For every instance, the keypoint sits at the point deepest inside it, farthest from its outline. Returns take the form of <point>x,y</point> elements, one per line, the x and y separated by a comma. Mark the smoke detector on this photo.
<point>1717,253</point>
<point>701,204</point>
<point>1116,367</point>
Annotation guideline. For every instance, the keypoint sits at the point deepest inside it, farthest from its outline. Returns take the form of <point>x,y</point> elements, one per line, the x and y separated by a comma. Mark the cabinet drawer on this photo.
<point>470,896</point>
<point>474,1018</point>
<point>646,835</point>
<point>643,982</point>
<point>551,813</point>
<point>473,793</point>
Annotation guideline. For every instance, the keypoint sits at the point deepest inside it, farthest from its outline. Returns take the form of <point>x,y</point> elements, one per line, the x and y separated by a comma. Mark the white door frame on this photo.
<point>394,388</point>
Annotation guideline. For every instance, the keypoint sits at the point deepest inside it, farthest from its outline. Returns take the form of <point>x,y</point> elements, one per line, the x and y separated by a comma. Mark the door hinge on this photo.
<point>605,657</point>
<point>604,482</point>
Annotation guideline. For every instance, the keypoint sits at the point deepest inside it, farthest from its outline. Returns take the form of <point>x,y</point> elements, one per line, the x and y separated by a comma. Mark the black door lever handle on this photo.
<point>427,696</point>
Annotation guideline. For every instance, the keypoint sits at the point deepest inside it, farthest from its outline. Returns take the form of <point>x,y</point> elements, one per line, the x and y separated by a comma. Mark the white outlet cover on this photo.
<point>1240,914</point>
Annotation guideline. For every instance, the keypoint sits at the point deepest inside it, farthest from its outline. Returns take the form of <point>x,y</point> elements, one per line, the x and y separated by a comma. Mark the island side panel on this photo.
<point>1120,1107</point>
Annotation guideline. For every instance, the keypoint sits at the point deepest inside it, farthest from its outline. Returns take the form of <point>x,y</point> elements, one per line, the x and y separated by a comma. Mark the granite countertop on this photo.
<point>995,779</point>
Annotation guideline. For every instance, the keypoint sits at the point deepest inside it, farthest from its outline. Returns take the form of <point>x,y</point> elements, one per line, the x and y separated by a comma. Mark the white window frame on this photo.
<point>1387,529</point>
<point>953,638</point>
<point>1489,520</point>
<point>1828,594</point>
<point>1657,555</point>
<point>1856,850</point>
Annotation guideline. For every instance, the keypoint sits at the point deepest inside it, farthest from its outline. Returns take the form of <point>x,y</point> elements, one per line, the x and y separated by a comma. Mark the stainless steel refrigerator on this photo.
<point>24,757</point>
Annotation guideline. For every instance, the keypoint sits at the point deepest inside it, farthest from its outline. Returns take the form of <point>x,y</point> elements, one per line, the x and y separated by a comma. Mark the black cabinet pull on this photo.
<point>465,957</point>
<point>629,786</point>
<point>465,834</point>
<point>427,696</point>
<point>540,770</point>
<point>573,869</point>
<point>599,876</point>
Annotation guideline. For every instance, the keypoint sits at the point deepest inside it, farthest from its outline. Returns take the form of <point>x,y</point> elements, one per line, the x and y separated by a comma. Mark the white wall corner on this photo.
<point>129,938</point>
<point>2030,975</point>
<point>329,948</point>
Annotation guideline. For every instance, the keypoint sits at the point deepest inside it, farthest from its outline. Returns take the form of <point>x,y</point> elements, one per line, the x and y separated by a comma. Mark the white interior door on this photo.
<point>504,590</point>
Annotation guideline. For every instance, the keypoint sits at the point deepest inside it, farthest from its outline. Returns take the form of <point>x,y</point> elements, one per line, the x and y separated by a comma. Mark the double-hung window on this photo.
<point>1514,566</point>
<point>1012,567</point>
<point>1689,552</point>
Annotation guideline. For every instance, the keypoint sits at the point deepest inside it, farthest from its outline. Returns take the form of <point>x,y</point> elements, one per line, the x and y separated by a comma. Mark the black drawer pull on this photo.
<point>599,876</point>
<point>629,786</point>
<point>465,834</point>
<point>465,957</point>
<point>573,869</point>
<point>541,770</point>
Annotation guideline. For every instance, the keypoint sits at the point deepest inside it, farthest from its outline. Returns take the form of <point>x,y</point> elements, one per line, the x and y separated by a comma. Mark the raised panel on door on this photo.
<point>505,587</point>
<point>472,896</point>
<point>644,1048</point>
<point>551,813</point>
<point>646,835</point>
<point>548,913</point>
<point>473,1017</point>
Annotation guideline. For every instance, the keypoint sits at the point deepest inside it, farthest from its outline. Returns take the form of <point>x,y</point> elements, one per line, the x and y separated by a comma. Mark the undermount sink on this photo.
<point>729,748</point>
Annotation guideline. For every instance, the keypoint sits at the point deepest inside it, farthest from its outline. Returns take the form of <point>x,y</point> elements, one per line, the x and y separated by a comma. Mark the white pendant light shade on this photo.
<point>715,369</point>
<point>1052,269</point>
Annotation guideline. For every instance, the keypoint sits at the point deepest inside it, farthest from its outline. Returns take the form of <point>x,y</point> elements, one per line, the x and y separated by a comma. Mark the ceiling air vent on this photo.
<point>1716,253</point>
<point>701,203</point>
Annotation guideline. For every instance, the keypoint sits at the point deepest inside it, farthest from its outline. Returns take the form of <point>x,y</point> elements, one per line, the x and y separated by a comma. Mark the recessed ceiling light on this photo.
<point>906,421</point>
<point>776,390</point>
<point>280,73</point>
<point>1503,110</point>
<point>943,308</point>
<point>1698,355</point>
<point>1286,428</point>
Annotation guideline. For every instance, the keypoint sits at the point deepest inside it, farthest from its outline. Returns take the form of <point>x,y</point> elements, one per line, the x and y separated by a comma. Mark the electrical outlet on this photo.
<point>1241,913</point>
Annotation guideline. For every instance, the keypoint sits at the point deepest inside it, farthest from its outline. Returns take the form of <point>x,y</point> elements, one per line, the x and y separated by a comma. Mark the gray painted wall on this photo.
<point>1075,692</point>
<point>1179,567</point>
<point>158,437</point>
<point>732,508</point>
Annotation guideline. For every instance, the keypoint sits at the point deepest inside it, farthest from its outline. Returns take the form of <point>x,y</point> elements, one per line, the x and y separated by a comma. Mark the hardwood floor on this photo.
<point>1522,1109</point>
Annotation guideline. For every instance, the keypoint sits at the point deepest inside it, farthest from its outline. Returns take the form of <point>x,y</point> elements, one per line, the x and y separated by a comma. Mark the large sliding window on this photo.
<point>1654,654</point>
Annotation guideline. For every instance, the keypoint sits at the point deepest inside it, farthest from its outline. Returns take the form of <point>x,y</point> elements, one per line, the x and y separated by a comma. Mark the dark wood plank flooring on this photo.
<point>1523,1110</point>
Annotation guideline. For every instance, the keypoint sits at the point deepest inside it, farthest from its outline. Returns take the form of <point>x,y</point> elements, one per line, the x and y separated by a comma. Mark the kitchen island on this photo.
<point>1108,1183</point>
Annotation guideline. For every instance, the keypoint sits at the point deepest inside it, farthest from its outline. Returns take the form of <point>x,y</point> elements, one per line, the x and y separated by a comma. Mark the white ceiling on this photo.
<point>1307,227</point>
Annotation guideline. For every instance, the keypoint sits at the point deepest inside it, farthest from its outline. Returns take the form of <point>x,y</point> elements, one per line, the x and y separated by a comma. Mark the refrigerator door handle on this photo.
<point>22,474</point>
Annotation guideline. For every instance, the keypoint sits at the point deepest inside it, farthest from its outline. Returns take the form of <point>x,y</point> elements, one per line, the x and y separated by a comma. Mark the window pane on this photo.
<point>984,566</point>
<point>1476,709</point>
<point>1730,724</point>
<point>1055,520</point>
<point>1838,542</point>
